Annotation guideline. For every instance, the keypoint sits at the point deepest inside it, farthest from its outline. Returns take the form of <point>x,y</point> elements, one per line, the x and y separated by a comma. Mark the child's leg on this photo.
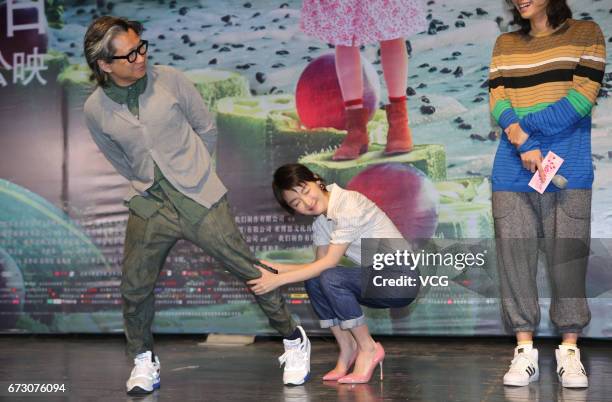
<point>394,57</point>
<point>348,70</point>
<point>395,69</point>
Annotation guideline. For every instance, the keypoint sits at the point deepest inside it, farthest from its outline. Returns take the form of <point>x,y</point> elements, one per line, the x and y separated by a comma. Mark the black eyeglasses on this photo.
<point>131,56</point>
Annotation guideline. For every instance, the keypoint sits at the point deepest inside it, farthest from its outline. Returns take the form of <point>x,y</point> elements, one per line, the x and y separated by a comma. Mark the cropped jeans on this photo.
<point>336,297</point>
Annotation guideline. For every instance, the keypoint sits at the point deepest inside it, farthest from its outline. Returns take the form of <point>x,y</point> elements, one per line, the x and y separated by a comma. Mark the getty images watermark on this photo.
<point>411,260</point>
<point>566,268</point>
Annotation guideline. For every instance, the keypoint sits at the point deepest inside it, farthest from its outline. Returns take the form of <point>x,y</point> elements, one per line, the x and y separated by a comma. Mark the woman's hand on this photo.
<point>516,135</point>
<point>532,160</point>
<point>267,282</point>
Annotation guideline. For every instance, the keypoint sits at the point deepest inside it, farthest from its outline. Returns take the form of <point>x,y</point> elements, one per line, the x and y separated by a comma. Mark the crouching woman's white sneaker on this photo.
<point>523,368</point>
<point>296,360</point>
<point>144,378</point>
<point>569,368</point>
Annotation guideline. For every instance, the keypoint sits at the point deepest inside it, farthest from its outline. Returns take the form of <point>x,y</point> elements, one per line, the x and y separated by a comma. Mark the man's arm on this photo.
<point>109,148</point>
<point>197,113</point>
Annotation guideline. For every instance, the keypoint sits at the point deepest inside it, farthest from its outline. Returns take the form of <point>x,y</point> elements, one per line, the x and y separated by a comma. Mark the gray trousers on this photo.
<point>558,223</point>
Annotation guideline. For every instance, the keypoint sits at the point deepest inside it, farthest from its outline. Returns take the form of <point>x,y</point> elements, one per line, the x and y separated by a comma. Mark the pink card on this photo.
<point>551,164</point>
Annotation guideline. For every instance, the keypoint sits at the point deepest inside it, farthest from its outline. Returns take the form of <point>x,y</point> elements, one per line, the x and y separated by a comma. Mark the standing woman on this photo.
<point>544,80</point>
<point>348,24</point>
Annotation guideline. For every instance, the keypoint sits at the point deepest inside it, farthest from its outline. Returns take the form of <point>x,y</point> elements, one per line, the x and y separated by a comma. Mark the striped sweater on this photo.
<point>548,84</point>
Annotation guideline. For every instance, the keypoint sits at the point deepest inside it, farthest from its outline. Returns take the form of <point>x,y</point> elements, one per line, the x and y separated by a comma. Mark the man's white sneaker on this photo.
<point>523,368</point>
<point>569,368</point>
<point>296,360</point>
<point>144,378</point>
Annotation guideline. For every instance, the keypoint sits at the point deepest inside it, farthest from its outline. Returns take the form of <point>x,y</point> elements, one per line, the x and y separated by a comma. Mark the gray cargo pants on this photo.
<point>559,223</point>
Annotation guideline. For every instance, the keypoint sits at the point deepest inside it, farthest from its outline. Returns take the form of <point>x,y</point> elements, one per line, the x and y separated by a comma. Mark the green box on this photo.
<point>428,158</point>
<point>465,208</point>
<point>214,84</point>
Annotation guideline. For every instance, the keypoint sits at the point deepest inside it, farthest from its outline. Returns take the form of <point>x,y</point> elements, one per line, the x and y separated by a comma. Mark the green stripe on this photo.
<point>580,102</point>
<point>523,111</point>
<point>500,107</point>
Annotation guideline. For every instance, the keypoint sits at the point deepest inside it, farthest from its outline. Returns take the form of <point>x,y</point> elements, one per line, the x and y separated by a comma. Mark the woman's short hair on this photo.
<point>98,42</point>
<point>290,176</point>
<point>557,12</point>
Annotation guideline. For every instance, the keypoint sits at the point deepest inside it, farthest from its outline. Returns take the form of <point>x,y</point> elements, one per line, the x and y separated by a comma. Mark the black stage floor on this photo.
<point>94,368</point>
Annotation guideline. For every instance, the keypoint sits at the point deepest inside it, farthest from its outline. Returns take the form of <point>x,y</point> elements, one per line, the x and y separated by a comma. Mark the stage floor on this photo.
<point>94,368</point>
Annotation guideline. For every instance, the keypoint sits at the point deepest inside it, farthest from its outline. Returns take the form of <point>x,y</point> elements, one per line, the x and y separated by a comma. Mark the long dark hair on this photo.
<point>557,12</point>
<point>290,176</point>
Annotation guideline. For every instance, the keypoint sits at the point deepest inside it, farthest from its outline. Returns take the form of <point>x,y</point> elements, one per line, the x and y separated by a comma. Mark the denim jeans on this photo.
<point>336,297</point>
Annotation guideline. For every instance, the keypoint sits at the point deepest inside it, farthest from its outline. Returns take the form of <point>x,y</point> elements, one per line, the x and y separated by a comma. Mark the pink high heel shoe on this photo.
<point>379,356</point>
<point>331,376</point>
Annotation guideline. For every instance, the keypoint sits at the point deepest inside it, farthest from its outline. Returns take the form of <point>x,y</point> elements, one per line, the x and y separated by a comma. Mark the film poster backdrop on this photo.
<point>62,219</point>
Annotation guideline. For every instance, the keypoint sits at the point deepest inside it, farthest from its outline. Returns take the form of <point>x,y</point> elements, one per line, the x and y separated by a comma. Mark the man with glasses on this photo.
<point>152,125</point>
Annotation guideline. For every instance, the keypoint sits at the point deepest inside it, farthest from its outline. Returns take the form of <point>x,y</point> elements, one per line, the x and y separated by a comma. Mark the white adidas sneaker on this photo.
<point>523,368</point>
<point>296,360</point>
<point>570,370</point>
<point>144,378</point>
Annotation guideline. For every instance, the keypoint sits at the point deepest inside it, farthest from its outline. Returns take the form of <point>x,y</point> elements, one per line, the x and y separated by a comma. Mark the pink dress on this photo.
<point>361,22</point>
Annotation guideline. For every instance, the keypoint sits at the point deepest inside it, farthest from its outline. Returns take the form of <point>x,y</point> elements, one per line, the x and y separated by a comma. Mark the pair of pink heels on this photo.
<point>353,378</point>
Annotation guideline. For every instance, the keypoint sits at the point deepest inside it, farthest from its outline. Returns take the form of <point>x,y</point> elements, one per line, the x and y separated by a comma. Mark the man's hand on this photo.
<point>532,161</point>
<point>267,282</point>
<point>516,135</point>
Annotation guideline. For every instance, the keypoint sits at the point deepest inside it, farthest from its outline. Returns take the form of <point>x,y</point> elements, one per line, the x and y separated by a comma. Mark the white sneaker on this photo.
<point>569,368</point>
<point>523,368</point>
<point>144,378</point>
<point>296,360</point>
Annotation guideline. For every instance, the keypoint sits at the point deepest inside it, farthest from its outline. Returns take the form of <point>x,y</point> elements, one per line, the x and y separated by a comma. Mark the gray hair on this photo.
<point>98,42</point>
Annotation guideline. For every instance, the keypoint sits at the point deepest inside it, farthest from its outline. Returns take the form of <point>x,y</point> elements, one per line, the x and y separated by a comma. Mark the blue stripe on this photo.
<point>507,117</point>
<point>553,120</point>
<point>529,145</point>
<point>573,145</point>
